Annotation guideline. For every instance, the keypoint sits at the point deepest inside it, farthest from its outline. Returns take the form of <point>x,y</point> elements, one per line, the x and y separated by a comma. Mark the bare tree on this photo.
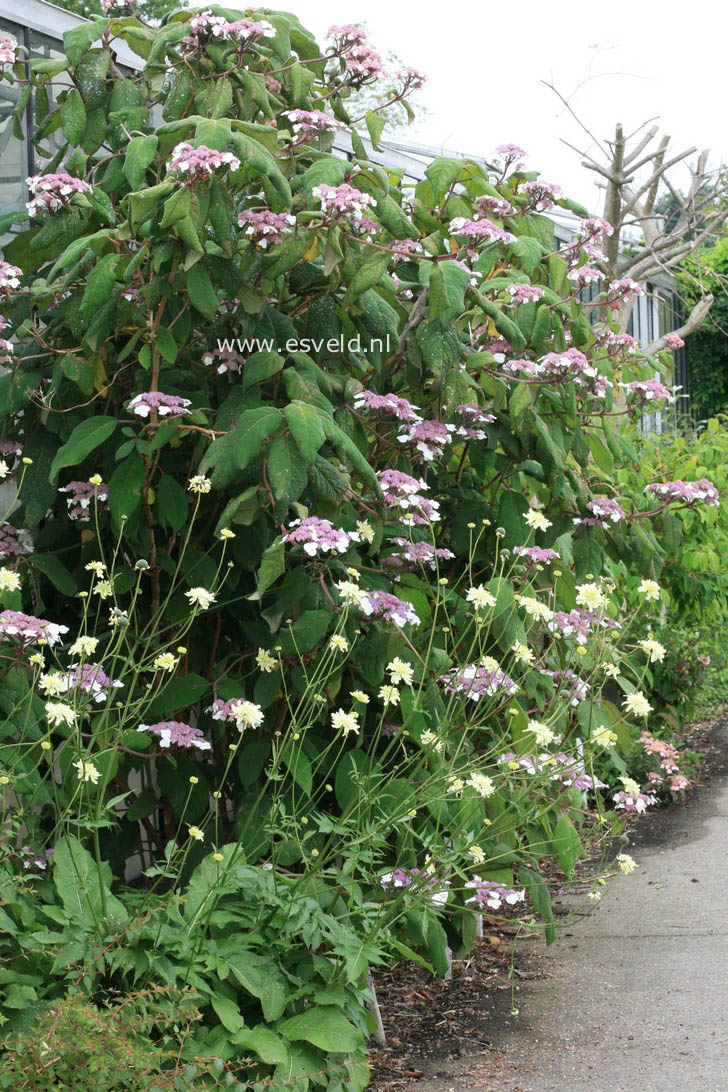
<point>634,171</point>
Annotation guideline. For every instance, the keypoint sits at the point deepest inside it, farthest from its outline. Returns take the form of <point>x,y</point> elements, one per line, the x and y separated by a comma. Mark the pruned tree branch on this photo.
<point>695,319</point>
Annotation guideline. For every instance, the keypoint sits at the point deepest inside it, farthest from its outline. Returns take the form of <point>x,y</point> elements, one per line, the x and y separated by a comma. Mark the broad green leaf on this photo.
<point>78,40</point>
<point>272,566</point>
<point>375,125</point>
<point>84,439</point>
<point>79,885</point>
<point>261,365</point>
<point>325,1028</point>
<point>100,284</point>
<point>177,695</point>
<point>566,844</point>
<point>269,1047</point>
<point>125,488</point>
<point>53,568</point>
<point>202,294</point>
<point>538,892</point>
<point>259,975</point>
<point>171,502</point>
<point>441,173</point>
<point>306,428</point>
<point>286,469</point>
<point>528,251</point>
<point>446,291</point>
<point>140,152</point>
<point>73,117</point>
<point>228,1014</point>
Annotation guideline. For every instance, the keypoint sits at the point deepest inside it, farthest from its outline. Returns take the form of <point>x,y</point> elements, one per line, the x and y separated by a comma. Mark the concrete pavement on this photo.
<point>634,996</point>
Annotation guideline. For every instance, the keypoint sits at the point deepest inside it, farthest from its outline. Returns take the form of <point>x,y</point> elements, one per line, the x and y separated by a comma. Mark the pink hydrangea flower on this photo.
<point>429,437</point>
<point>482,230</point>
<point>29,630</point>
<point>6,347</point>
<point>419,879</point>
<point>402,491</point>
<point>537,555</point>
<point>266,228</point>
<point>312,122</point>
<point>472,416</point>
<point>415,553</point>
<point>319,536</point>
<point>52,192</point>
<point>363,63</point>
<point>204,25</point>
<point>571,365</point>
<point>390,404</point>
<point>91,679</point>
<point>606,338</point>
<point>497,205</point>
<point>412,78</point>
<point>347,33</point>
<point>9,275</point>
<point>569,771</point>
<point>605,510</point>
<point>585,274</point>
<point>7,50</point>
<point>195,164</point>
<point>174,733</point>
<point>687,492</point>
<point>624,288</point>
<point>649,390</point>
<point>226,359</point>
<point>14,542</point>
<point>579,623</point>
<point>166,405</point>
<point>476,682</point>
<point>389,608</point>
<point>343,200</point>
<point>637,802</point>
<point>510,151</point>
<point>487,894</point>
<point>80,498</point>
<point>542,195</point>
<point>595,225</point>
<point>402,249</point>
<point>524,293</point>
<point>673,341</point>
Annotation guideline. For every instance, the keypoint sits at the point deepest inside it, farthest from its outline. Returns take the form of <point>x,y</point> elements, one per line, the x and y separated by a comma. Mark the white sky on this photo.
<point>614,61</point>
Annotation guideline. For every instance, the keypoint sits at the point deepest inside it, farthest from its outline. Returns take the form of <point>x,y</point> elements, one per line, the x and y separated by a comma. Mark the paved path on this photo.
<point>636,994</point>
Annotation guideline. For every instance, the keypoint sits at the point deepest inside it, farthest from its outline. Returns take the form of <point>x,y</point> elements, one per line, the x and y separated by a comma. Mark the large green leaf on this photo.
<point>260,976</point>
<point>125,488</point>
<point>441,173</point>
<point>140,152</point>
<point>325,1028</point>
<point>80,886</point>
<point>538,892</point>
<point>286,469</point>
<point>306,428</point>
<point>83,440</point>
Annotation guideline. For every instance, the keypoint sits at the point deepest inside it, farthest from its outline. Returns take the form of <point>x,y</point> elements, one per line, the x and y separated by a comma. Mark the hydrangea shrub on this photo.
<point>320,587</point>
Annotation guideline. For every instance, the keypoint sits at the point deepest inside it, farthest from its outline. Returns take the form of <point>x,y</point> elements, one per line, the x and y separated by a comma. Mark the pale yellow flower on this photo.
<point>265,661</point>
<point>87,771</point>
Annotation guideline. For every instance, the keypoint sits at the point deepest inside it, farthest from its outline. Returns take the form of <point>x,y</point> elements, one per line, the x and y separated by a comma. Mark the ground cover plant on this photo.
<point>331,579</point>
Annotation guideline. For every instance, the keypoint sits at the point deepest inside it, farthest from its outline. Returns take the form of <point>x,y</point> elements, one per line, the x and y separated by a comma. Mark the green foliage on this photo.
<point>706,348</point>
<point>342,696</point>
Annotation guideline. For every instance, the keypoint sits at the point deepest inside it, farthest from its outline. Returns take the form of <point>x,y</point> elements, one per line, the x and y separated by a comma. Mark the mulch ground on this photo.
<point>428,1019</point>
